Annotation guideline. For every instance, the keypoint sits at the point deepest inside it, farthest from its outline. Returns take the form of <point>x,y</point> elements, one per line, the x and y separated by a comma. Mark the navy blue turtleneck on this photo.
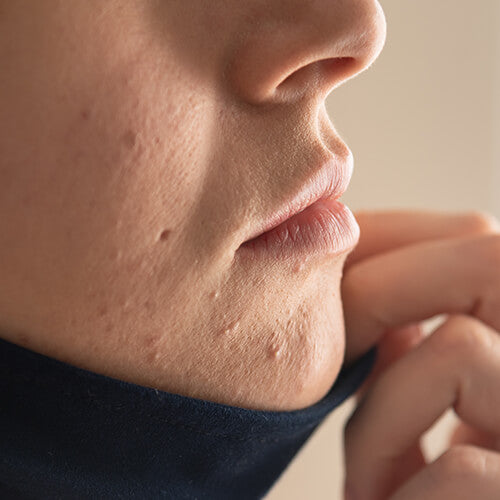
<point>68,433</point>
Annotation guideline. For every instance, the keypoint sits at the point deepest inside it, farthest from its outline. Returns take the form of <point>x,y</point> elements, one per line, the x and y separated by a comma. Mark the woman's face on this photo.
<point>142,142</point>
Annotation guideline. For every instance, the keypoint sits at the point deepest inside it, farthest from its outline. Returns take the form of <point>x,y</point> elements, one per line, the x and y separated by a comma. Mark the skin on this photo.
<point>142,142</point>
<point>432,264</point>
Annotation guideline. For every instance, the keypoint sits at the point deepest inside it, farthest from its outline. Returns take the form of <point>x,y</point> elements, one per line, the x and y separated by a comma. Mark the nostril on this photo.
<point>318,77</point>
<point>340,69</point>
<point>339,65</point>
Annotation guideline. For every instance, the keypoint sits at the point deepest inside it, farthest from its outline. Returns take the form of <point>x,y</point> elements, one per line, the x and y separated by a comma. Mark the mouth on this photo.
<point>327,227</point>
<point>313,222</point>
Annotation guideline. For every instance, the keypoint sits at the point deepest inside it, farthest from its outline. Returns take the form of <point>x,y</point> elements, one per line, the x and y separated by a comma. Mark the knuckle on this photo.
<point>460,337</point>
<point>482,222</point>
<point>461,462</point>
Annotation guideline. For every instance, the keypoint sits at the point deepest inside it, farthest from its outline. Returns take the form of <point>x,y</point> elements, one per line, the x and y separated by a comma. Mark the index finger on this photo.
<point>385,230</point>
<point>418,282</point>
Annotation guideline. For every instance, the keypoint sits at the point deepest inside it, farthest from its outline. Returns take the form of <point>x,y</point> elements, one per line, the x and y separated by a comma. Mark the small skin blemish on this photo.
<point>214,294</point>
<point>84,114</point>
<point>230,328</point>
<point>164,235</point>
<point>129,139</point>
<point>151,340</point>
<point>299,266</point>
<point>274,351</point>
<point>102,311</point>
<point>151,357</point>
<point>152,347</point>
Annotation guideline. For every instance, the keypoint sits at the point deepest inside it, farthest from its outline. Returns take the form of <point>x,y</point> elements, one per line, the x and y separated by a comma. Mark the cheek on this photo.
<point>101,150</point>
<point>100,177</point>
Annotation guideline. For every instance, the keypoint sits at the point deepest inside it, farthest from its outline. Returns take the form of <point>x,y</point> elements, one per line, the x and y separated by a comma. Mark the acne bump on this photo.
<point>274,351</point>
<point>164,235</point>
<point>299,266</point>
<point>152,356</point>
<point>231,328</point>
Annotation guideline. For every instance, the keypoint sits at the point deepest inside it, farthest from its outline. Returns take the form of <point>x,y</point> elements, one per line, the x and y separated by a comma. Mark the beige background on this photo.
<point>422,123</point>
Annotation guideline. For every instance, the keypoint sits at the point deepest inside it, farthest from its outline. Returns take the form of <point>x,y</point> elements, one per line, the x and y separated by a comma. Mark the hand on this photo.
<point>386,250</point>
<point>457,366</point>
<point>410,266</point>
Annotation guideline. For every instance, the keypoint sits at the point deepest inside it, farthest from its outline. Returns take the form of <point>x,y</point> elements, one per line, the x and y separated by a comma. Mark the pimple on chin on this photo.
<point>274,351</point>
<point>151,347</point>
<point>229,329</point>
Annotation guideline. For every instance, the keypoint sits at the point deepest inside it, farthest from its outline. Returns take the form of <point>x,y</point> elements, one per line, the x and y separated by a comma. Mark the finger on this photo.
<point>457,366</point>
<point>383,231</point>
<point>461,473</point>
<point>467,434</point>
<point>414,283</point>
<point>394,344</point>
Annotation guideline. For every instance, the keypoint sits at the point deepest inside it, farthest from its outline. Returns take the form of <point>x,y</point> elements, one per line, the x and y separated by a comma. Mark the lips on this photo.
<point>329,182</point>
<point>327,228</point>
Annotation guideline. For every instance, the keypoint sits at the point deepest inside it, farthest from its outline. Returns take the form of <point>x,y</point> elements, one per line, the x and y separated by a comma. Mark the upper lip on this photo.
<point>330,180</point>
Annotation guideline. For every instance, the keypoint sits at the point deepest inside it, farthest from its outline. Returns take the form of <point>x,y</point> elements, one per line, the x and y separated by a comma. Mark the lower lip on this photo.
<point>327,227</point>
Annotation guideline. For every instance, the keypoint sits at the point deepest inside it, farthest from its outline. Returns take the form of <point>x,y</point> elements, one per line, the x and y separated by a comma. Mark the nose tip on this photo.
<point>307,52</point>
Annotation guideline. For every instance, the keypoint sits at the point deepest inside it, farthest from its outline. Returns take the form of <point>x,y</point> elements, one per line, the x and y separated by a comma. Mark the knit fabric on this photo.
<point>68,433</point>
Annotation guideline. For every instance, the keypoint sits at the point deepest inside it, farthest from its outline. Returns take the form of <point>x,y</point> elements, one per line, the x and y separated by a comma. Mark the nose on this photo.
<point>296,49</point>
